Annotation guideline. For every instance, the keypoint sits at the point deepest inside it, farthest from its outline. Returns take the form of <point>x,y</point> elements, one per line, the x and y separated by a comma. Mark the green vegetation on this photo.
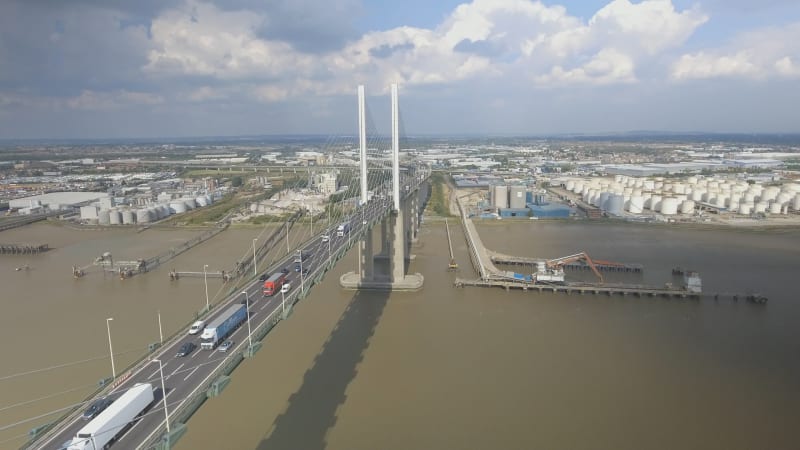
<point>237,181</point>
<point>438,202</point>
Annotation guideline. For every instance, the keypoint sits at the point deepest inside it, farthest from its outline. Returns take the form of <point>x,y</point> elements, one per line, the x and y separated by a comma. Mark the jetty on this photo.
<point>23,249</point>
<point>549,276</point>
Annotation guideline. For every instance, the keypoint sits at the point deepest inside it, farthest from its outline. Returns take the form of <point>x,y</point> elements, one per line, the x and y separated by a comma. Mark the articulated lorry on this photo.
<point>223,326</point>
<point>343,229</point>
<point>104,429</point>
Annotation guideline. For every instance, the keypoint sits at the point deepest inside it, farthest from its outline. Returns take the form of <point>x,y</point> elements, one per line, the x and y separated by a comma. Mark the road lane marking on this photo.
<point>153,374</point>
<point>196,353</point>
<point>175,371</point>
<point>190,373</point>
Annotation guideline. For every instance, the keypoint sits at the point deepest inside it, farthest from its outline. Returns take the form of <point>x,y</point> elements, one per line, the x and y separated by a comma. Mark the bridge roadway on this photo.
<point>184,376</point>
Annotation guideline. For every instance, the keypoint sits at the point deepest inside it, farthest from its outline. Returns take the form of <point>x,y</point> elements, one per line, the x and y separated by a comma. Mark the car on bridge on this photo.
<point>186,348</point>
<point>225,346</point>
<point>197,327</point>
<point>285,288</point>
<point>298,267</point>
<point>96,408</point>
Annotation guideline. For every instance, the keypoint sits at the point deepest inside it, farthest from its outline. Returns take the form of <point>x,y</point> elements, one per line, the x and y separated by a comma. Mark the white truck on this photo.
<point>104,429</point>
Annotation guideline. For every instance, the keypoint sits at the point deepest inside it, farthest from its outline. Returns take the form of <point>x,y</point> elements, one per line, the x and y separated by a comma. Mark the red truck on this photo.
<point>274,283</point>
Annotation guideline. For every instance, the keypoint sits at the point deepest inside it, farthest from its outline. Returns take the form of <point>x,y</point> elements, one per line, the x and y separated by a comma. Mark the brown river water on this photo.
<point>445,367</point>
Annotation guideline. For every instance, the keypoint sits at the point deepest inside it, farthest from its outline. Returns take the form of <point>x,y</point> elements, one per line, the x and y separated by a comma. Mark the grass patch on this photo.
<point>438,204</point>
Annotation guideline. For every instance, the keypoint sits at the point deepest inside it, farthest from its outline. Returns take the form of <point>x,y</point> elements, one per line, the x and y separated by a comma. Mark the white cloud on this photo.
<point>606,67</point>
<point>766,53</point>
<point>482,39</point>
<point>91,100</point>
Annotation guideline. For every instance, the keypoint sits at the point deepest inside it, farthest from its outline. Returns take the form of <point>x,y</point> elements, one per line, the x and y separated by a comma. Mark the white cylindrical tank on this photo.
<point>669,206</point>
<point>570,185</point>
<point>636,205</point>
<point>687,207</point>
<point>517,197</point>
<point>745,208</point>
<point>201,201</point>
<point>190,203</point>
<point>649,185</point>
<point>655,203</point>
<point>143,215</point>
<point>697,195</point>
<point>602,203</point>
<point>775,207</point>
<point>796,202</point>
<point>177,207</point>
<point>615,203</point>
<point>115,217</point>
<point>761,207</point>
<point>128,217</point>
<point>500,196</point>
<point>784,197</point>
<point>719,201</point>
<point>104,217</point>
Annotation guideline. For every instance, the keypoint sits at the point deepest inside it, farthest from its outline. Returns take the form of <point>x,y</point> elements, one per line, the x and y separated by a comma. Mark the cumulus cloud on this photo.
<point>761,54</point>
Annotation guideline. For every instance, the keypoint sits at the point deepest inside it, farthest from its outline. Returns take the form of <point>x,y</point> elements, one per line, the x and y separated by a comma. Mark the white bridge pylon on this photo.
<point>398,230</point>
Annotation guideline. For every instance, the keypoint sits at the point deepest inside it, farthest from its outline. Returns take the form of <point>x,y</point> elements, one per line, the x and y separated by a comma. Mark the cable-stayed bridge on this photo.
<point>389,197</point>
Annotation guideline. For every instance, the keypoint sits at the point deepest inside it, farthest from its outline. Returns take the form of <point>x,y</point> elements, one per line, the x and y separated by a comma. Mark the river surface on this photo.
<point>467,368</point>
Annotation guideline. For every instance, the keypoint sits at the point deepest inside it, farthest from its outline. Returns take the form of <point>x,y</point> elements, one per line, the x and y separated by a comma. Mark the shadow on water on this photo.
<point>312,409</point>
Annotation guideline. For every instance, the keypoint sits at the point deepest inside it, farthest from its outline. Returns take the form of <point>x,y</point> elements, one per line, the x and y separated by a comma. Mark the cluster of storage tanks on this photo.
<point>153,213</point>
<point>672,196</point>
<point>502,196</point>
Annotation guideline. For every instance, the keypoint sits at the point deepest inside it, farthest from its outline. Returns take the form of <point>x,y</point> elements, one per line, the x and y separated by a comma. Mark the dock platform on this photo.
<point>610,289</point>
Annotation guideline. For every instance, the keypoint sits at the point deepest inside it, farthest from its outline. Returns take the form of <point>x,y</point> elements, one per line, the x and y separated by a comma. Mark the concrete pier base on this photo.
<point>410,282</point>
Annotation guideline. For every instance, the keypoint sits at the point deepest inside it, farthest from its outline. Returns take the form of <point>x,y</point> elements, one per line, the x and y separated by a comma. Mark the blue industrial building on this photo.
<point>549,210</point>
<point>514,212</point>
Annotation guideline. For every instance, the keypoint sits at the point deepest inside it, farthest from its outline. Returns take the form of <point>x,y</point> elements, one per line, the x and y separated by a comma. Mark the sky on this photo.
<point>182,68</point>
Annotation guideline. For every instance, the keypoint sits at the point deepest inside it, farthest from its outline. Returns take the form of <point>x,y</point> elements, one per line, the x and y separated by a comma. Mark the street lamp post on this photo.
<point>160,333</point>
<point>287,238</point>
<point>163,392</point>
<point>283,302</point>
<point>205,281</point>
<point>110,349</point>
<point>255,269</point>
<point>247,306</point>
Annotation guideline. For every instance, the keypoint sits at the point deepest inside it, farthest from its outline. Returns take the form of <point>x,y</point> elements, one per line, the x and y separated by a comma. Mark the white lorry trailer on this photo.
<point>104,429</point>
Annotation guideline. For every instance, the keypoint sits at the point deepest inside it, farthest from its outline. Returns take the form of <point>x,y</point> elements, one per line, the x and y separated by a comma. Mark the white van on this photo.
<point>285,288</point>
<point>197,327</point>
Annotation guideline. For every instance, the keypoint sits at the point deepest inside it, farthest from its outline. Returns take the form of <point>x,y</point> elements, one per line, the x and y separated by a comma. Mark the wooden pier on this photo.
<point>610,289</point>
<point>23,249</point>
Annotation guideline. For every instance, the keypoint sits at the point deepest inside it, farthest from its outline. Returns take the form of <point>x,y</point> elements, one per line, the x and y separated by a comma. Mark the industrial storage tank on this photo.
<point>719,201</point>
<point>128,218</point>
<point>654,203</point>
<point>687,207</point>
<point>745,208</point>
<point>761,207</point>
<point>190,203</point>
<point>201,201</point>
<point>143,215</point>
<point>570,185</point>
<point>796,202</point>
<point>636,205</point>
<point>517,194</point>
<point>500,197</point>
<point>104,217</point>
<point>615,203</point>
<point>697,195</point>
<point>209,199</point>
<point>774,207</point>
<point>115,217</point>
<point>602,201</point>
<point>669,206</point>
<point>177,207</point>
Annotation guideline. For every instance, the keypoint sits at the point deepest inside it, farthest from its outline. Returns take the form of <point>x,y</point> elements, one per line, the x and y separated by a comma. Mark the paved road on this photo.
<point>185,375</point>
